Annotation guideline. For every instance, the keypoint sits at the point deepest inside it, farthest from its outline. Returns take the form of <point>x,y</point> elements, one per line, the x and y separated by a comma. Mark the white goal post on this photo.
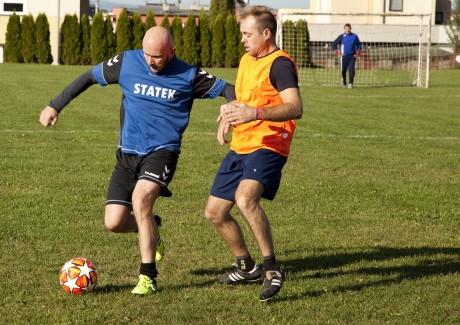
<point>396,47</point>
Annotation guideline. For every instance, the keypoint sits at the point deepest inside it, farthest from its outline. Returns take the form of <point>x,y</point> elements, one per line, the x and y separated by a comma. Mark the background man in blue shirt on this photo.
<point>158,93</point>
<point>348,47</point>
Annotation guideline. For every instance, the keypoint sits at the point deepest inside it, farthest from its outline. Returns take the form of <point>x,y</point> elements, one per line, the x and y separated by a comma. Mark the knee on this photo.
<point>210,214</point>
<point>246,204</point>
<point>114,223</point>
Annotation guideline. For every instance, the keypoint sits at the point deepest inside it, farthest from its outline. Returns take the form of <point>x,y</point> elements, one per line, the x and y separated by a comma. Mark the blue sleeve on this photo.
<point>337,41</point>
<point>206,85</point>
<point>108,72</point>
<point>358,43</point>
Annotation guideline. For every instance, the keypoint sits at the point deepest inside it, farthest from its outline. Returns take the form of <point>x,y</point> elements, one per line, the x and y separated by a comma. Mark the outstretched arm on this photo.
<point>49,114</point>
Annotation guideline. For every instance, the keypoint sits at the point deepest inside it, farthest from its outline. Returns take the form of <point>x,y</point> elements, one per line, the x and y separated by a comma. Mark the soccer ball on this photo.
<point>78,276</point>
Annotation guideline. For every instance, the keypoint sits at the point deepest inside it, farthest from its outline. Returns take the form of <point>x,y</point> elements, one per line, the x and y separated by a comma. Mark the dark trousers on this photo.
<point>348,62</point>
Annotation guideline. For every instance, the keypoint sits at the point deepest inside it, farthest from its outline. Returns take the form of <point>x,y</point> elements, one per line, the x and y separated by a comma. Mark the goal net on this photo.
<point>395,47</point>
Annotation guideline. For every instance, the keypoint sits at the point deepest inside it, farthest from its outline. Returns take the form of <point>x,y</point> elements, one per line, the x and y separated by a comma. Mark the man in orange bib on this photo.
<point>263,119</point>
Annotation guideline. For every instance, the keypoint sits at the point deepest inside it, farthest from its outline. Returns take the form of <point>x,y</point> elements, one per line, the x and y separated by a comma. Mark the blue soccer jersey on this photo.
<point>349,44</point>
<point>155,108</point>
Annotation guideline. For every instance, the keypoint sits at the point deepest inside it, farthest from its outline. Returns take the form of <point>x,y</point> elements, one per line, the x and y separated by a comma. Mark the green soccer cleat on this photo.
<point>146,286</point>
<point>160,244</point>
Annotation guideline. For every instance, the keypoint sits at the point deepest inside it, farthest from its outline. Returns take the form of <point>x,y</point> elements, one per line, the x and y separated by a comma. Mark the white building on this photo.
<point>55,11</point>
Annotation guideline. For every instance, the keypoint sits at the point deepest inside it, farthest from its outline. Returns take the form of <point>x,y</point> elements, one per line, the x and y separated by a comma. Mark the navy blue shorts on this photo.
<point>262,165</point>
<point>158,167</point>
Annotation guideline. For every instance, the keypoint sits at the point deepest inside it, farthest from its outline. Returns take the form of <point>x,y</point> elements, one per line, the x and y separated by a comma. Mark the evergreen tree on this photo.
<point>85,41</point>
<point>42,40</point>
<point>98,49</point>
<point>218,42</point>
<point>176,31</point>
<point>69,41</point>
<point>303,44</point>
<point>111,39</point>
<point>289,39</point>
<point>150,20</point>
<point>12,51</point>
<point>165,22</point>
<point>205,40</point>
<point>138,31</point>
<point>124,33</point>
<point>191,49</point>
<point>28,39</point>
<point>214,10</point>
<point>222,7</point>
<point>232,46</point>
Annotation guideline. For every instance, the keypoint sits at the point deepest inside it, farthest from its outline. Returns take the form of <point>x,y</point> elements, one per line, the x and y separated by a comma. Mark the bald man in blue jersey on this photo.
<point>348,48</point>
<point>158,93</point>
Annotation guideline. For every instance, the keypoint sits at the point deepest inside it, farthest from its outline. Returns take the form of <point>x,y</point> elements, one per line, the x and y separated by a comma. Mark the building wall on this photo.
<point>379,7</point>
<point>50,8</point>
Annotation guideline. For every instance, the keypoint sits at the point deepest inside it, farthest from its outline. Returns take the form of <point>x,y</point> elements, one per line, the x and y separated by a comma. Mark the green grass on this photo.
<point>366,222</point>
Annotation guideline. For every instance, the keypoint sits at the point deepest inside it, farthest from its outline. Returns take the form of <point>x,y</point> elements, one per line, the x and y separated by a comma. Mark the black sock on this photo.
<point>270,263</point>
<point>245,263</point>
<point>149,269</point>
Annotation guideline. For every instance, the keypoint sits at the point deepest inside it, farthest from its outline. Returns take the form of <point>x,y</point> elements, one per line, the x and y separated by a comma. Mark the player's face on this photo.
<point>347,29</point>
<point>158,57</point>
<point>253,40</point>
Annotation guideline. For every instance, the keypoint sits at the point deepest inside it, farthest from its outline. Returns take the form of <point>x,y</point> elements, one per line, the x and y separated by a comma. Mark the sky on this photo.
<point>276,4</point>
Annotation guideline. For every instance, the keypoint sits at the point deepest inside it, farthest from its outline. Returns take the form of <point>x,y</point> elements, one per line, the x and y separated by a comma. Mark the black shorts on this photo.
<point>158,167</point>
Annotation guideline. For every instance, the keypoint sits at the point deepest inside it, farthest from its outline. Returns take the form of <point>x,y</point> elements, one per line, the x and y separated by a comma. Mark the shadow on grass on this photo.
<point>430,262</point>
<point>111,288</point>
<point>328,263</point>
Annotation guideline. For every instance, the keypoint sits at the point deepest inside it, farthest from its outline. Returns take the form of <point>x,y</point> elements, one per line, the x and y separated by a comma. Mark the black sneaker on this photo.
<point>240,276</point>
<point>273,283</point>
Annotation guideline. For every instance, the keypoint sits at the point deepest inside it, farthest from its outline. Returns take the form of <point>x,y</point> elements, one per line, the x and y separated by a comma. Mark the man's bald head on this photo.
<point>158,47</point>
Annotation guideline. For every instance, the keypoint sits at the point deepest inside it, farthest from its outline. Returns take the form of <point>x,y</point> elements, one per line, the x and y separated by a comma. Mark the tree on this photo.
<point>98,37</point>
<point>12,52</point>
<point>191,50</point>
<point>303,43</point>
<point>69,41</point>
<point>42,40</point>
<point>138,31</point>
<point>150,20</point>
<point>28,39</point>
<point>218,43</point>
<point>124,33</point>
<point>222,7</point>
<point>232,42</point>
<point>453,27</point>
<point>165,22</point>
<point>205,39</point>
<point>176,31</point>
<point>289,38</point>
<point>85,41</point>
<point>111,39</point>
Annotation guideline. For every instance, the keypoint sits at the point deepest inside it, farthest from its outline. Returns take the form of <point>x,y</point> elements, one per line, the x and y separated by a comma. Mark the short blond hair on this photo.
<point>264,16</point>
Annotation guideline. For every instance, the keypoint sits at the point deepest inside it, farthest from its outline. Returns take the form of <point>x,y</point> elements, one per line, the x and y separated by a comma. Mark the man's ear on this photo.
<point>267,33</point>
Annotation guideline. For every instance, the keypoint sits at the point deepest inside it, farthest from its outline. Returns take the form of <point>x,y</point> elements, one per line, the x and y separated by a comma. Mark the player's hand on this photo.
<point>48,116</point>
<point>237,113</point>
<point>223,129</point>
<point>339,54</point>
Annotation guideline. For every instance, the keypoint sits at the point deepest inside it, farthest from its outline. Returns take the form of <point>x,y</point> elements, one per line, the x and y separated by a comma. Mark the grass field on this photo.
<point>366,223</point>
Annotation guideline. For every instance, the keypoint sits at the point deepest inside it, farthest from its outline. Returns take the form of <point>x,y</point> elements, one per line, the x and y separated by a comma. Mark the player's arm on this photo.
<point>49,114</point>
<point>283,77</point>
<point>336,43</point>
<point>358,47</point>
<point>104,73</point>
<point>207,86</point>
